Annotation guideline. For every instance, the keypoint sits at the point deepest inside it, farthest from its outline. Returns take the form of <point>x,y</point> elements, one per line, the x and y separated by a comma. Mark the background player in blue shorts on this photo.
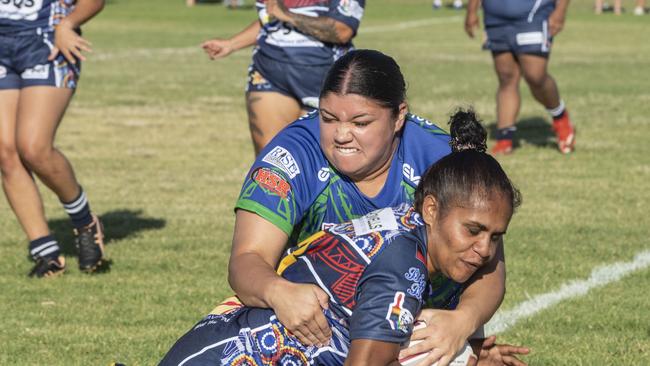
<point>519,34</point>
<point>297,41</point>
<point>40,60</point>
<point>377,271</point>
<point>360,152</point>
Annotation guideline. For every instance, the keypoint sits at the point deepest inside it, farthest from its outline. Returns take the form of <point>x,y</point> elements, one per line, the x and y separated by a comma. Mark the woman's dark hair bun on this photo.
<point>467,132</point>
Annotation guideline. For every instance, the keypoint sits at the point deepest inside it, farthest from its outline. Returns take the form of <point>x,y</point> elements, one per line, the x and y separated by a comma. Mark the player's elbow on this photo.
<point>344,33</point>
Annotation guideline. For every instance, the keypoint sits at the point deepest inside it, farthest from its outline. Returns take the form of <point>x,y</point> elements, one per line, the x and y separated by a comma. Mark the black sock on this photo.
<point>506,133</point>
<point>45,247</point>
<point>79,210</point>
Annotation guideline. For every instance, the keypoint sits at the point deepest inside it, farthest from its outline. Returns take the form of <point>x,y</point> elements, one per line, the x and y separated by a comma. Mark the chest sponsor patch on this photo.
<point>3,72</point>
<point>271,182</point>
<point>281,158</point>
<point>379,220</point>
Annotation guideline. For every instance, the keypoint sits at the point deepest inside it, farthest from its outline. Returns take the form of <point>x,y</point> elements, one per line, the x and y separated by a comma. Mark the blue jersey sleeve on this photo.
<point>389,295</point>
<point>349,12</point>
<point>284,178</point>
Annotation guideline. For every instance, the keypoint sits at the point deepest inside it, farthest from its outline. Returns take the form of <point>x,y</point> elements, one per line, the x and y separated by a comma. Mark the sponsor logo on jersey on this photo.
<point>3,72</point>
<point>419,283</point>
<point>282,159</point>
<point>398,317</point>
<point>37,72</point>
<point>379,220</point>
<point>324,174</point>
<point>530,38</point>
<point>257,78</point>
<point>271,182</point>
<point>410,174</point>
<point>350,8</point>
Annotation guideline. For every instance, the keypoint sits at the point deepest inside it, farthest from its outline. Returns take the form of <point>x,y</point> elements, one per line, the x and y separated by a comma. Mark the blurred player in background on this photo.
<point>520,34</point>
<point>456,4</point>
<point>639,9</point>
<point>297,42</point>
<point>41,50</point>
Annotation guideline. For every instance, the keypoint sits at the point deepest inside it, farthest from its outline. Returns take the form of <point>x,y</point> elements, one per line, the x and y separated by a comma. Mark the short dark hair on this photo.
<point>370,74</point>
<point>467,172</point>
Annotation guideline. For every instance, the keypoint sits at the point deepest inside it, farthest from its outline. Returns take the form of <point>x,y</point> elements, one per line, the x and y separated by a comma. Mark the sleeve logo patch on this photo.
<point>351,8</point>
<point>271,182</point>
<point>379,220</point>
<point>281,158</point>
<point>398,317</point>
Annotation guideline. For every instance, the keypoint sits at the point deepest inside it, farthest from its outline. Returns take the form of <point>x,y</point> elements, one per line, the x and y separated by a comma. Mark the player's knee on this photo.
<point>34,156</point>
<point>536,81</point>
<point>508,78</point>
<point>9,160</point>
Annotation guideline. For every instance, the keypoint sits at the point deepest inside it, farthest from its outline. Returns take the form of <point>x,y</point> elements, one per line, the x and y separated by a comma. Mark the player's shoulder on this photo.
<point>421,128</point>
<point>296,148</point>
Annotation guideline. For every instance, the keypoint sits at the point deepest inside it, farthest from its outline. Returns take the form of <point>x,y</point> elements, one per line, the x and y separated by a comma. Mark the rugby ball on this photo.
<point>460,359</point>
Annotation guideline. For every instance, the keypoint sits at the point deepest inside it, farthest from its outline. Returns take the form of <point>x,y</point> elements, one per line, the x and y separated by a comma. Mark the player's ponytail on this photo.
<point>468,172</point>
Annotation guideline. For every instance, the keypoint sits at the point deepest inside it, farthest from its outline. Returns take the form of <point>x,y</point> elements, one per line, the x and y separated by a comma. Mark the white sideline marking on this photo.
<point>180,51</point>
<point>600,276</point>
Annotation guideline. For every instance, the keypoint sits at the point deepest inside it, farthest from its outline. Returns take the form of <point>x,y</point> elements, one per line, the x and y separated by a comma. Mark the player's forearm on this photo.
<point>253,279</point>
<point>473,5</point>
<point>323,28</point>
<point>482,297</point>
<point>84,10</point>
<point>561,6</point>
<point>246,37</point>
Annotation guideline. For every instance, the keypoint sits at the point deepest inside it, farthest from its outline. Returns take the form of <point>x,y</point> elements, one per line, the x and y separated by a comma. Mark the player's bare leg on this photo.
<point>268,113</point>
<point>542,85</point>
<point>508,100</point>
<point>545,90</point>
<point>17,182</point>
<point>39,113</point>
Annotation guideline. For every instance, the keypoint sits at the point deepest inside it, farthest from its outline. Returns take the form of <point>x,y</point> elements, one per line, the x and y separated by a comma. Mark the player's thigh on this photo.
<point>40,111</point>
<point>8,113</point>
<point>506,67</point>
<point>272,110</point>
<point>534,67</point>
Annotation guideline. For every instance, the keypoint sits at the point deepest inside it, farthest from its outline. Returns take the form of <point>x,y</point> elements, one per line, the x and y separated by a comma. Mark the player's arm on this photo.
<point>66,39</point>
<point>323,28</point>
<point>556,19</point>
<point>447,330</point>
<point>370,352</point>
<point>256,249</point>
<point>471,18</point>
<point>218,47</point>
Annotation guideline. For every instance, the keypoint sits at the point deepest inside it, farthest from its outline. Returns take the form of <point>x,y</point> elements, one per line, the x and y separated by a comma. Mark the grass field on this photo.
<point>158,137</point>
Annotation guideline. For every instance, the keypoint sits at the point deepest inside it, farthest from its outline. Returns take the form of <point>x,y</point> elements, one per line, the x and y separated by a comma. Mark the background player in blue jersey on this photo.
<point>40,59</point>
<point>361,151</point>
<point>519,34</point>
<point>377,271</point>
<point>297,41</point>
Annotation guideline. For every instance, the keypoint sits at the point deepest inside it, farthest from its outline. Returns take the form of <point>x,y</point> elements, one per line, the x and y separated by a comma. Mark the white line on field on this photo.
<point>600,276</point>
<point>179,51</point>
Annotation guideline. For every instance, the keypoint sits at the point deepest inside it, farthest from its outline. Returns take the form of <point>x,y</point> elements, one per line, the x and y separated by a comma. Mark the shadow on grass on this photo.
<point>534,130</point>
<point>118,225</point>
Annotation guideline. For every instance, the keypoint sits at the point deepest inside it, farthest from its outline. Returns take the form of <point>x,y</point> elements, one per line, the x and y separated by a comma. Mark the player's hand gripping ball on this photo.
<point>460,359</point>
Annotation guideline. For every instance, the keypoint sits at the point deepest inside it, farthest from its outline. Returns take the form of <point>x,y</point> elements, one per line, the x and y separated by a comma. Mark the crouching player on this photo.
<point>377,272</point>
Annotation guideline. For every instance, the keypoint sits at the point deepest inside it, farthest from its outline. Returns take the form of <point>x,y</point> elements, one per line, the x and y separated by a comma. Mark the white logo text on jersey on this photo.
<point>409,173</point>
<point>282,159</point>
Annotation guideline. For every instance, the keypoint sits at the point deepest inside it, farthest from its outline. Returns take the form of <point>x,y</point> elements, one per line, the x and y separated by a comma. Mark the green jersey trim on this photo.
<point>264,212</point>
